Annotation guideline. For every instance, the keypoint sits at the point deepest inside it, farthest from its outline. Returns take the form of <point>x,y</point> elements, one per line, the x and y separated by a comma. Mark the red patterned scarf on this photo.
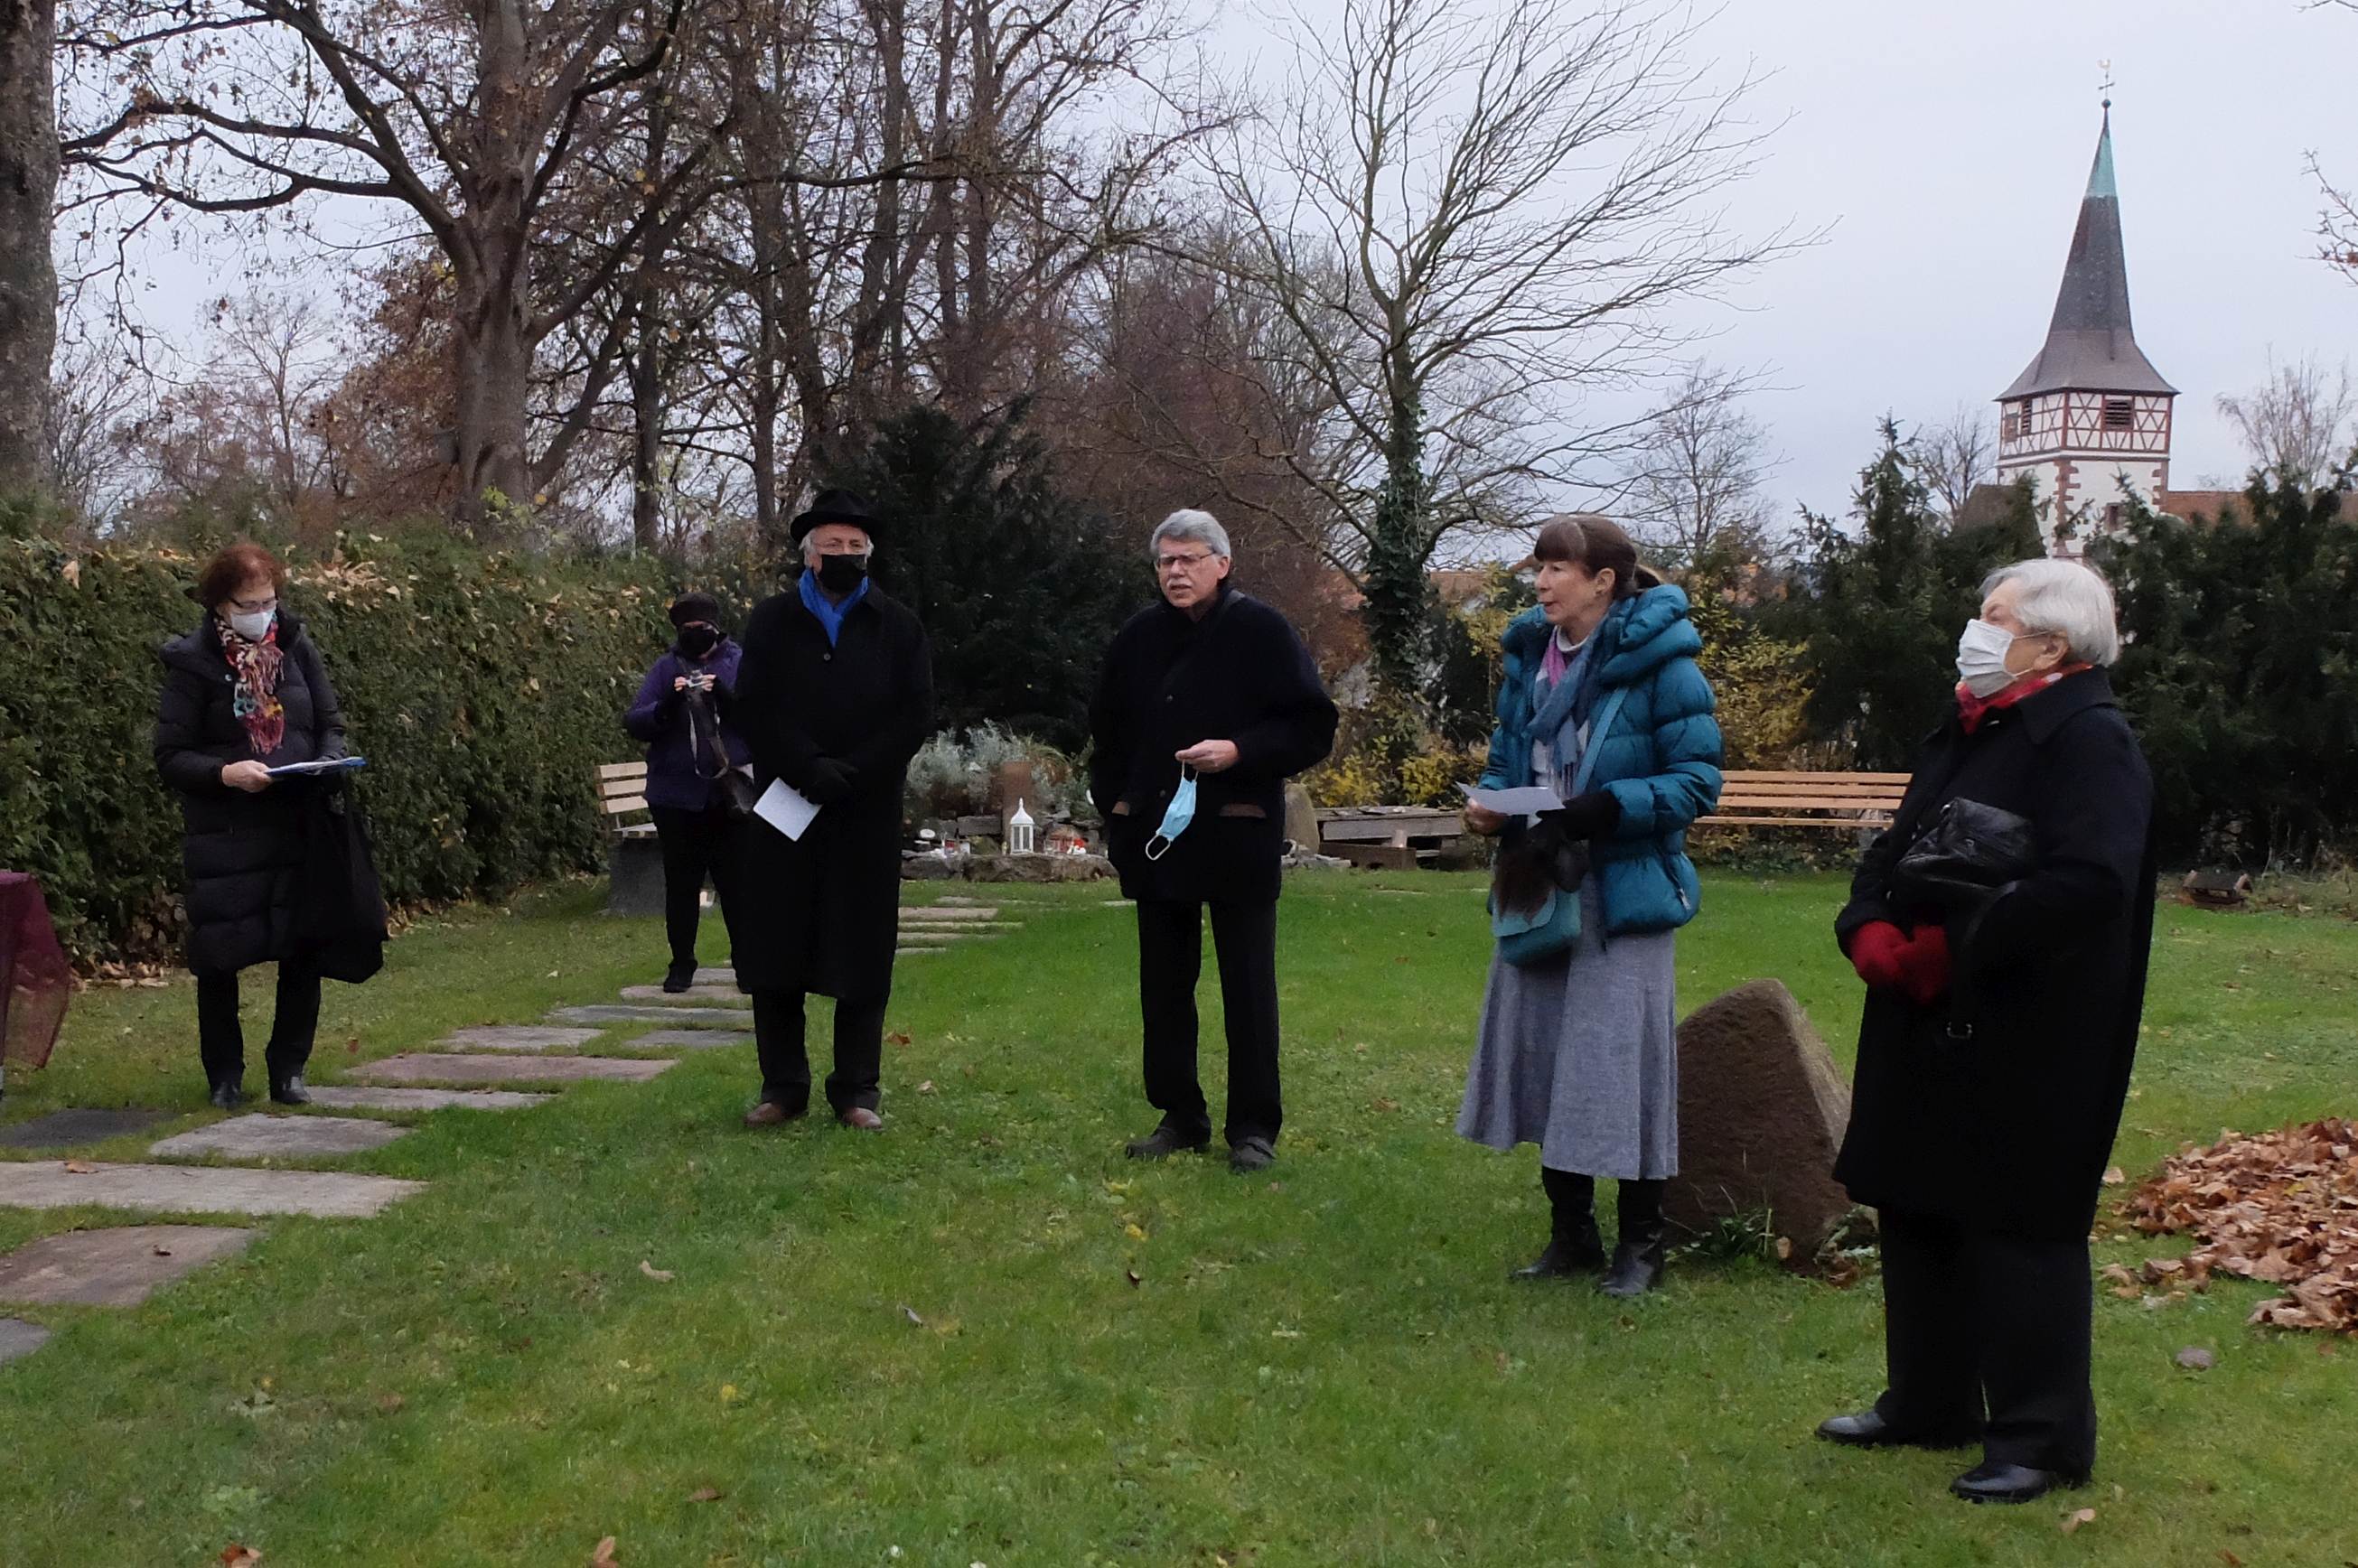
<point>1971,709</point>
<point>254,698</point>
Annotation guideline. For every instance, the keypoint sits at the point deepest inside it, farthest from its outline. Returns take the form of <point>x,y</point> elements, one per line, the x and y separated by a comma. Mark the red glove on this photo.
<point>1876,951</point>
<point>1924,965</point>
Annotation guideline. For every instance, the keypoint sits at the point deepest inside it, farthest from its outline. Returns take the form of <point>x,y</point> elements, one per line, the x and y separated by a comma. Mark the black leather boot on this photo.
<point>228,1094</point>
<point>289,1090</point>
<point>1639,1252</point>
<point>1574,1245</point>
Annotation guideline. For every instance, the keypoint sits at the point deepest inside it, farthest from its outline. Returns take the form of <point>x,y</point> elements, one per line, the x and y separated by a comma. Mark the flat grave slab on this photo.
<point>19,1338</point>
<point>280,1137</point>
<point>120,1267</point>
<point>517,1038</point>
<point>358,1097</point>
<point>678,1017</point>
<point>427,1067</point>
<point>691,1039</point>
<point>201,1189</point>
<point>65,1129</point>
<point>947,912</point>
<point>725,996</point>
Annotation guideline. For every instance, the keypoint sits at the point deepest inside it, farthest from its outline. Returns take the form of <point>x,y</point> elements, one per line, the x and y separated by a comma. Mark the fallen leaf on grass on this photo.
<point>911,1314</point>
<point>898,1039</point>
<point>390,1404</point>
<point>2073,1521</point>
<point>80,1168</point>
<point>237,1555</point>
<point>729,1393</point>
<point>1132,1275</point>
<point>705,1495</point>
<point>604,1556</point>
<point>660,1276</point>
<point>2116,1176</point>
<point>1134,1231</point>
<point>926,1087</point>
<point>2230,1559</point>
<point>1386,1103</point>
<point>163,1251</point>
<point>2194,1358</point>
<point>353,1046</point>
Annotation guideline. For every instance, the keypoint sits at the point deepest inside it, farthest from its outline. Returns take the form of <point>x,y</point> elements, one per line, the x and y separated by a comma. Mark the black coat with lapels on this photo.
<point>1997,1104</point>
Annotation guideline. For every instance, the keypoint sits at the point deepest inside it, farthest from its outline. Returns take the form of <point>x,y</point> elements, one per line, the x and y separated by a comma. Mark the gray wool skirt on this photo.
<point>1580,1056</point>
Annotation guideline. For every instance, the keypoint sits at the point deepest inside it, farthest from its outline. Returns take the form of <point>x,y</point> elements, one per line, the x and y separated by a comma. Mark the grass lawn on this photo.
<point>986,1339</point>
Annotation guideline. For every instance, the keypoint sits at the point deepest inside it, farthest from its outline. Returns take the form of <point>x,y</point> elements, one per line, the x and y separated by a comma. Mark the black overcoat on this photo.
<point>839,723</point>
<point>243,854</point>
<point>1997,1104</point>
<point>1241,674</point>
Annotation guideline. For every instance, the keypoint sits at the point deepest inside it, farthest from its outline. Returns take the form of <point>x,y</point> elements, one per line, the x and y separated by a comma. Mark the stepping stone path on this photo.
<point>690,1039</point>
<point>118,1268</point>
<point>199,1189</point>
<point>431,1068</point>
<point>19,1337</point>
<point>517,1038</point>
<point>280,1137</point>
<point>70,1128</point>
<point>712,1017</point>
<point>728,996</point>
<point>361,1098</point>
<point>932,927</point>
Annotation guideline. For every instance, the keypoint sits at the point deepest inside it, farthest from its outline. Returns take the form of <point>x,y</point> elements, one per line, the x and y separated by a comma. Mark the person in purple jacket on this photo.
<point>681,713</point>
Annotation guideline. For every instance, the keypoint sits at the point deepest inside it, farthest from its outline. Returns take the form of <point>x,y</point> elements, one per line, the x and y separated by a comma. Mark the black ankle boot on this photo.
<point>1574,1245</point>
<point>227,1094</point>
<point>1638,1252</point>
<point>678,977</point>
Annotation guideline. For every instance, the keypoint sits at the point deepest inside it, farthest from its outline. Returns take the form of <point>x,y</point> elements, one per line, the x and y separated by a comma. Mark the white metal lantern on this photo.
<point>1021,836</point>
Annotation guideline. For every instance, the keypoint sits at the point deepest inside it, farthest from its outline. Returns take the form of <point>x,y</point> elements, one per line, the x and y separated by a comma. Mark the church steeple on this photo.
<point>2088,420</point>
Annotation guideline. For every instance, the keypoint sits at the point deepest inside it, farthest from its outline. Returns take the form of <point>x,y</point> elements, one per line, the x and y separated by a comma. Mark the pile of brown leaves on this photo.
<point>2277,1206</point>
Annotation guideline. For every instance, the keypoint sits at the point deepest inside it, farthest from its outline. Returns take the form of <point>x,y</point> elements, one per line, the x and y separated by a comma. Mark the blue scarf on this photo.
<point>830,616</point>
<point>1562,709</point>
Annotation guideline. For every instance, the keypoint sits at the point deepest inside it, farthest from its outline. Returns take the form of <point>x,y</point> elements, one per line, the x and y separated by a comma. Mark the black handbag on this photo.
<point>1965,855</point>
<point>707,750</point>
<point>341,908</point>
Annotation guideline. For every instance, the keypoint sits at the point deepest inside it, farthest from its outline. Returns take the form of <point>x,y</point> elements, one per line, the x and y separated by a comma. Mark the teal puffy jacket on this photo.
<point>1661,757</point>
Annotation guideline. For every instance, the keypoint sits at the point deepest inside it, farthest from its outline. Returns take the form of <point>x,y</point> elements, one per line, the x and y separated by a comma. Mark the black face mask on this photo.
<point>697,639</point>
<point>842,573</point>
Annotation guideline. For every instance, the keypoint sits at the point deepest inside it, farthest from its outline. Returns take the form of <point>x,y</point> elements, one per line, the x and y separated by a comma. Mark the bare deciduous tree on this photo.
<point>28,284</point>
<point>1692,486</point>
<point>1955,456</point>
<point>1469,215</point>
<point>2297,426</point>
<point>96,399</point>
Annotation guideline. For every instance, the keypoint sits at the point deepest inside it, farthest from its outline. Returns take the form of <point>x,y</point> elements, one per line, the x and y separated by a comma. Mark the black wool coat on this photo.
<point>822,913</point>
<point>243,854</point>
<point>1997,1104</point>
<point>1241,673</point>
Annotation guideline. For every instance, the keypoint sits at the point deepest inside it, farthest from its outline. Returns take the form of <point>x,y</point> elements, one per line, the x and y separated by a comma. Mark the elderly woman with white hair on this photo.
<point>1208,701</point>
<point>2002,925</point>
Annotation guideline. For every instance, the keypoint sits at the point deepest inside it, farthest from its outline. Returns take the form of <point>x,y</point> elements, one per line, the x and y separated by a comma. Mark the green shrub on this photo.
<point>483,690</point>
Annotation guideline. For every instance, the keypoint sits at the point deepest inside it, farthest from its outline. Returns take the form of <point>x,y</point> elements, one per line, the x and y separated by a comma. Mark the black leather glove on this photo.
<point>831,782</point>
<point>1590,816</point>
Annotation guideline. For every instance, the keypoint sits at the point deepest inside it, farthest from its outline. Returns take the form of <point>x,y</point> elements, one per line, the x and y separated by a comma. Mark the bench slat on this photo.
<point>621,770</point>
<point>625,806</point>
<point>1852,823</point>
<point>1769,775</point>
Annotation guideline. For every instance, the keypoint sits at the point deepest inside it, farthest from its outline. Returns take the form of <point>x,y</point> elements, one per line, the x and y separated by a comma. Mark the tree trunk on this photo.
<point>647,366</point>
<point>28,284</point>
<point>1395,582</point>
<point>495,348</point>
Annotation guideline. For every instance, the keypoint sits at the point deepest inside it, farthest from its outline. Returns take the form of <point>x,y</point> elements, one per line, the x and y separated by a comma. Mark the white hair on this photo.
<point>2067,599</point>
<point>810,547</point>
<point>1190,528</point>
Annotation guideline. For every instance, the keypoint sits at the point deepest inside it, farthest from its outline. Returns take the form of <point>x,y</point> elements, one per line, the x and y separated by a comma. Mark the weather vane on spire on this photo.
<point>2106,86</point>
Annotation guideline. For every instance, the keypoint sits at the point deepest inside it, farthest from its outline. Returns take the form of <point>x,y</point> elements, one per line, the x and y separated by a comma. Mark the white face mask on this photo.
<point>252,627</point>
<point>1981,658</point>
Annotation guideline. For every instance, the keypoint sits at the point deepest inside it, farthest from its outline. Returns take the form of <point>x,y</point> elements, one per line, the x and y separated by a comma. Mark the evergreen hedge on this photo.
<point>484,689</point>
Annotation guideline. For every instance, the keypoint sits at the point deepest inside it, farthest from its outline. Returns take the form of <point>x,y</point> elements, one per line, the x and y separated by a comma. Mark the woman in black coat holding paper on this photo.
<point>1993,1056</point>
<point>243,693</point>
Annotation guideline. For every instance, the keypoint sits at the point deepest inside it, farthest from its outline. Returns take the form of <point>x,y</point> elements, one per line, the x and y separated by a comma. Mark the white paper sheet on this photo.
<point>785,809</point>
<point>1523,802</point>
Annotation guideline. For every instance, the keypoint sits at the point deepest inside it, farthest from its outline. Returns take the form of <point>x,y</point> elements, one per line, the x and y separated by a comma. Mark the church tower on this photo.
<point>2089,414</point>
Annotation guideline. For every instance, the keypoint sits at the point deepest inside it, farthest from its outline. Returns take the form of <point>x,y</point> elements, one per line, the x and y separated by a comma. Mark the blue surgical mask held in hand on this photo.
<point>1176,816</point>
<point>1981,658</point>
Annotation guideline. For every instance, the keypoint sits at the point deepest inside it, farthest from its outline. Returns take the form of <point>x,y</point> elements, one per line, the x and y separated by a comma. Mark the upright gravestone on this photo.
<point>1300,820</point>
<point>1761,1113</point>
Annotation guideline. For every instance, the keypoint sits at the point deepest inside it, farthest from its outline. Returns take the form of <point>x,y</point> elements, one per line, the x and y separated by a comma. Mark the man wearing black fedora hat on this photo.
<point>834,695</point>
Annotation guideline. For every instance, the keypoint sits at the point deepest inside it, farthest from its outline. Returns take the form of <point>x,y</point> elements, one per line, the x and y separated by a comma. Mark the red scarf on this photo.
<point>255,696</point>
<point>1971,709</point>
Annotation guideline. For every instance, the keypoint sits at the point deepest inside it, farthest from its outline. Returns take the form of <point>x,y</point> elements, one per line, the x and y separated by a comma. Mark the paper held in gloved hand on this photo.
<point>785,809</point>
<point>1528,801</point>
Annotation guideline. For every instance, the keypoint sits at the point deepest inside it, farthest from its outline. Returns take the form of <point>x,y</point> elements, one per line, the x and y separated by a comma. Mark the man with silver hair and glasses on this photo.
<point>1208,702</point>
<point>2002,925</point>
<point>835,694</point>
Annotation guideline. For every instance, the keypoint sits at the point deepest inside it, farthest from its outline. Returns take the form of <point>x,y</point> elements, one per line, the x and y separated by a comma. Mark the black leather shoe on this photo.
<point>229,1094</point>
<point>1247,1155</point>
<point>678,977</point>
<point>1636,1268</point>
<point>1581,1252</point>
<point>1868,1429</point>
<point>1166,1141</point>
<point>289,1090</point>
<point>1995,1482</point>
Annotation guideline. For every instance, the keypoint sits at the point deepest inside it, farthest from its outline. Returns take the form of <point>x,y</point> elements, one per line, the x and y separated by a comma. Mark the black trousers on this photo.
<point>695,844</point>
<point>778,1038</point>
<point>221,1039</point>
<point>1989,1332</point>
<point>1170,961</point>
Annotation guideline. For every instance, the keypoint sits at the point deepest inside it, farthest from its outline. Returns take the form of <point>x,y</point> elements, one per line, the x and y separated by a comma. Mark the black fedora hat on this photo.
<point>835,506</point>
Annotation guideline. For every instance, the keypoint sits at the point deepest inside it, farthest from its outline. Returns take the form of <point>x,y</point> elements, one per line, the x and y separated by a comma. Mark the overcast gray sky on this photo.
<point>1945,148</point>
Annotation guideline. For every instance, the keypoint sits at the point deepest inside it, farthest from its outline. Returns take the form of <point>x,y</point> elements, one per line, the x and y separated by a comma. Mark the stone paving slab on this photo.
<point>19,1338</point>
<point>691,1039</point>
<point>947,912</point>
<point>202,1189</point>
<point>917,952</point>
<point>117,1268</point>
<point>361,1097</point>
<point>957,927</point>
<point>427,1067</point>
<point>678,1017</point>
<point>65,1129</point>
<point>726,996</point>
<point>517,1038</point>
<point>280,1137</point>
<point>708,976</point>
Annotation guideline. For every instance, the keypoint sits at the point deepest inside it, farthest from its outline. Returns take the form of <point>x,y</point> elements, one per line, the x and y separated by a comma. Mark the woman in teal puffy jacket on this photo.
<point>1578,1051</point>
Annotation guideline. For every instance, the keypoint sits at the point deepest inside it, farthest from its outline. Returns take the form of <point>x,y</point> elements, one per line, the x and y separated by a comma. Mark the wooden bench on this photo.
<point>1852,802</point>
<point>1388,838</point>
<point>635,863</point>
